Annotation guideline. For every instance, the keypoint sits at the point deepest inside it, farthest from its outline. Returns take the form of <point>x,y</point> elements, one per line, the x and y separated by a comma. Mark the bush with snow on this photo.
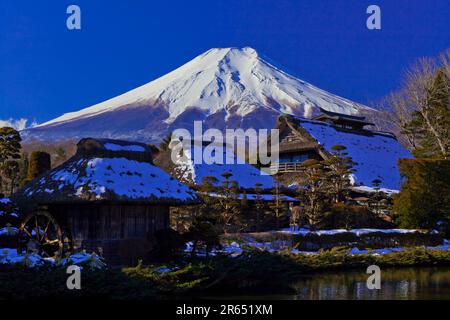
<point>90,261</point>
<point>9,222</point>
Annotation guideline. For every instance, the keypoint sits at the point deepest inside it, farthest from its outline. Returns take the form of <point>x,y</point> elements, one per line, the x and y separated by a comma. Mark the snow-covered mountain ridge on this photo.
<point>225,87</point>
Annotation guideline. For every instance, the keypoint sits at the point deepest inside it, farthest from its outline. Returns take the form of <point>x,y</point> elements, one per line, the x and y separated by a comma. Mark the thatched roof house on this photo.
<point>108,198</point>
<point>376,153</point>
<point>104,170</point>
<point>192,171</point>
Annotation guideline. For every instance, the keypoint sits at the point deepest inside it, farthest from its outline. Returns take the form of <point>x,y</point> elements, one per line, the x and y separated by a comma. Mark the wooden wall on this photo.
<point>121,233</point>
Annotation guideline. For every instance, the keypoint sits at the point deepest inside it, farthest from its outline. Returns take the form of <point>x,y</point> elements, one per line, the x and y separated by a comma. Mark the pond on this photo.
<point>399,283</point>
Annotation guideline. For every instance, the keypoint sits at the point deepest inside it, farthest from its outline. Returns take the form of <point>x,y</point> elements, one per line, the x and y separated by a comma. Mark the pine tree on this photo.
<point>203,227</point>
<point>339,169</point>
<point>9,147</point>
<point>244,208</point>
<point>208,192</point>
<point>276,205</point>
<point>204,230</point>
<point>244,201</point>
<point>424,198</point>
<point>11,171</point>
<point>314,190</point>
<point>259,205</point>
<point>9,144</point>
<point>228,202</point>
<point>377,198</point>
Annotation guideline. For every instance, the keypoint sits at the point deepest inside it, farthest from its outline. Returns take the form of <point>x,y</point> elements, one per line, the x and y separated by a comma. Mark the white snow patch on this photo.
<point>376,156</point>
<point>92,261</point>
<point>373,190</point>
<point>11,256</point>
<point>190,169</point>
<point>262,197</point>
<point>9,231</point>
<point>163,269</point>
<point>124,177</point>
<point>118,147</point>
<point>235,249</point>
<point>221,78</point>
<point>357,232</point>
<point>5,200</point>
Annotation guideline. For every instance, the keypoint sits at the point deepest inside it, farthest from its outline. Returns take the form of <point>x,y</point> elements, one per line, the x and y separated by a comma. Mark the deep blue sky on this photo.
<point>46,70</point>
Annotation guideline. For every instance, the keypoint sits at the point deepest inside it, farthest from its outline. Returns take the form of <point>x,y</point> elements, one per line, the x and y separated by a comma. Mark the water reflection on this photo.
<point>409,283</point>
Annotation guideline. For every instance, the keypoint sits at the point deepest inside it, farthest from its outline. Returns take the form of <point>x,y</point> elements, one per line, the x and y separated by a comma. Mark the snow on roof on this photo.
<point>118,147</point>
<point>244,173</point>
<point>122,173</point>
<point>111,147</point>
<point>109,179</point>
<point>376,154</point>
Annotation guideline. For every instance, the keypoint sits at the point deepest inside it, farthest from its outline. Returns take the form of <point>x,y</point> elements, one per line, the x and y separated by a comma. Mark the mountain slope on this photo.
<point>227,87</point>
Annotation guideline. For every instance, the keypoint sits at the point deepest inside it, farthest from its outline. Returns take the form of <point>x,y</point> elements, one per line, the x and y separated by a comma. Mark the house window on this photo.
<point>300,157</point>
<point>284,158</point>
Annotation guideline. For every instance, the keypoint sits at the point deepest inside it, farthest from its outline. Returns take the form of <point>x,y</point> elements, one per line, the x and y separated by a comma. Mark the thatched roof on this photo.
<point>113,148</point>
<point>191,170</point>
<point>376,153</point>
<point>342,117</point>
<point>111,171</point>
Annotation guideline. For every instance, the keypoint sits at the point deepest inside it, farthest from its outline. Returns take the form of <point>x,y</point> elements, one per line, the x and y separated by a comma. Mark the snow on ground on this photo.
<point>121,176</point>
<point>376,156</point>
<point>164,269</point>
<point>5,203</point>
<point>357,232</point>
<point>366,189</point>
<point>444,246</point>
<point>11,256</point>
<point>92,261</point>
<point>9,231</point>
<point>5,200</point>
<point>193,169</point>
<point>118,147</point>
<point>235,249</point>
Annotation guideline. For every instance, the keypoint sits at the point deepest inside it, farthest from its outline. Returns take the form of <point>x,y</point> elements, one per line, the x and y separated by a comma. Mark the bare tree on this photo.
<point>417,98</point>
<point>419,83</point>
<point>395,114</point>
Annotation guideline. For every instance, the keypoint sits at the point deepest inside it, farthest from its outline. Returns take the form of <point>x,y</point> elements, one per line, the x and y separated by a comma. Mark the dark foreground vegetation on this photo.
<point>251,272</point>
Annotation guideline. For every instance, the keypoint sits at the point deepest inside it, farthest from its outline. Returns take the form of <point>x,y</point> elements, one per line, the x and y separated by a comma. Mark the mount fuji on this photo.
<point>224,87</point>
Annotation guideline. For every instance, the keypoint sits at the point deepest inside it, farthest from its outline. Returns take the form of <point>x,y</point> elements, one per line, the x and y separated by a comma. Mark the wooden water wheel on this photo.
<point>40,233</point>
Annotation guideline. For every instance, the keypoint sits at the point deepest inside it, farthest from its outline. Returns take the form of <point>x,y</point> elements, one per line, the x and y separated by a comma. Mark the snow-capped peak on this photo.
<point>235,80</point>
